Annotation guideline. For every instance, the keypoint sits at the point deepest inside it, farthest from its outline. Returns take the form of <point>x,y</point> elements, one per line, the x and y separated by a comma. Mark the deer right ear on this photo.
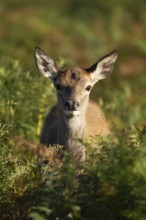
<point>103,67</point>
<point>45,64</point>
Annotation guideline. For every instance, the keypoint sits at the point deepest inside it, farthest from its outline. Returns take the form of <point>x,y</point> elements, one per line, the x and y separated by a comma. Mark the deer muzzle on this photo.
<point>72,108</point>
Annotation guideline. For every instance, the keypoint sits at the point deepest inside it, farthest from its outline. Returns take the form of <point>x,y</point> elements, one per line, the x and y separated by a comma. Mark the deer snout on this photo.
<point>71,105</point>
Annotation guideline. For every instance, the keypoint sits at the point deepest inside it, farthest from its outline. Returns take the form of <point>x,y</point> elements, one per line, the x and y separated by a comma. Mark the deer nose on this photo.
<point>71,105</point>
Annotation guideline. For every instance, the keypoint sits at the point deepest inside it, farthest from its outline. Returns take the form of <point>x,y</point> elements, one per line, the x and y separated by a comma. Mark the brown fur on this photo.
<point>74,117</point>
<point>43,153</point>
<point>96,124</point>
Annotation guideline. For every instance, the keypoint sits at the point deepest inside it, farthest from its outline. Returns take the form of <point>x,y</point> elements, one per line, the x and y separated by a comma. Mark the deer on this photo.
<point>74,117</point>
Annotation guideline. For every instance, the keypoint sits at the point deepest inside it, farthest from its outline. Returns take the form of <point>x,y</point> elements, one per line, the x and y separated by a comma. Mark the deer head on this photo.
<point>73,85</point>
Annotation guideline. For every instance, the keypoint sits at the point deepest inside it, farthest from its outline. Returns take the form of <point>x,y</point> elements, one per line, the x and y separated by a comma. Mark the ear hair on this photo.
<point>104,67</point>
<point>45,64</point>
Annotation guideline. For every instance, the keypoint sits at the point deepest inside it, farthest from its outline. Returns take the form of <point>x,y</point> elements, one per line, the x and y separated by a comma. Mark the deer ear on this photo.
<point>103,67</point>
<point>45,64</point>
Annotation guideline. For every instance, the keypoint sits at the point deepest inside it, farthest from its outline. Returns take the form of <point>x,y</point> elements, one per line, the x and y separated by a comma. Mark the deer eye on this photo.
<point>58,87</point>
<point>88,88</point>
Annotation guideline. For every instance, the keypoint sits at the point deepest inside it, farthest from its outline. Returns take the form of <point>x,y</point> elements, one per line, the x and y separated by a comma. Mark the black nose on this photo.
<point>71,105</point>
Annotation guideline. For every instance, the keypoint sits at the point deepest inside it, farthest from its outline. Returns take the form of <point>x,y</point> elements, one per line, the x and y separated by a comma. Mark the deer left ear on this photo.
<point>103,67</point>
<point>45,64</point>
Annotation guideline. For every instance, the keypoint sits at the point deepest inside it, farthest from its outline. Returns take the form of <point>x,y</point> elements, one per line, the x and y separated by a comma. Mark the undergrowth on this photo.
<point>110,185</point>
<point>23,98</point>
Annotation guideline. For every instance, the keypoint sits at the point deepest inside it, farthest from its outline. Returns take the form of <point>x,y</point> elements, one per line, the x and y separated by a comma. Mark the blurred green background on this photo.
<point>81,31</point>
<point>75,33</point>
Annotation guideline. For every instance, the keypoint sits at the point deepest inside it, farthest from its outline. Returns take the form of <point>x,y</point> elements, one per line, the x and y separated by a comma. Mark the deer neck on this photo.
<point>70,131</point>
<point>71,127</point>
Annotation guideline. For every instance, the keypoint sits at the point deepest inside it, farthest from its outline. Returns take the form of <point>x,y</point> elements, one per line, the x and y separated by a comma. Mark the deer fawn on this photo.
<point>74,117</point>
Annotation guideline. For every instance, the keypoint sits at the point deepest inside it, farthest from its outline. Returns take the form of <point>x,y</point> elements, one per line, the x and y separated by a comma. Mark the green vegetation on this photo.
<point>112,183</point>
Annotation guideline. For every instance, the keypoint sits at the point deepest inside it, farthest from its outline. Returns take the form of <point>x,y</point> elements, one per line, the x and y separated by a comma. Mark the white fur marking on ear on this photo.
<point>97,73</point>
<point>45,64</point>
<point>104,67</point>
